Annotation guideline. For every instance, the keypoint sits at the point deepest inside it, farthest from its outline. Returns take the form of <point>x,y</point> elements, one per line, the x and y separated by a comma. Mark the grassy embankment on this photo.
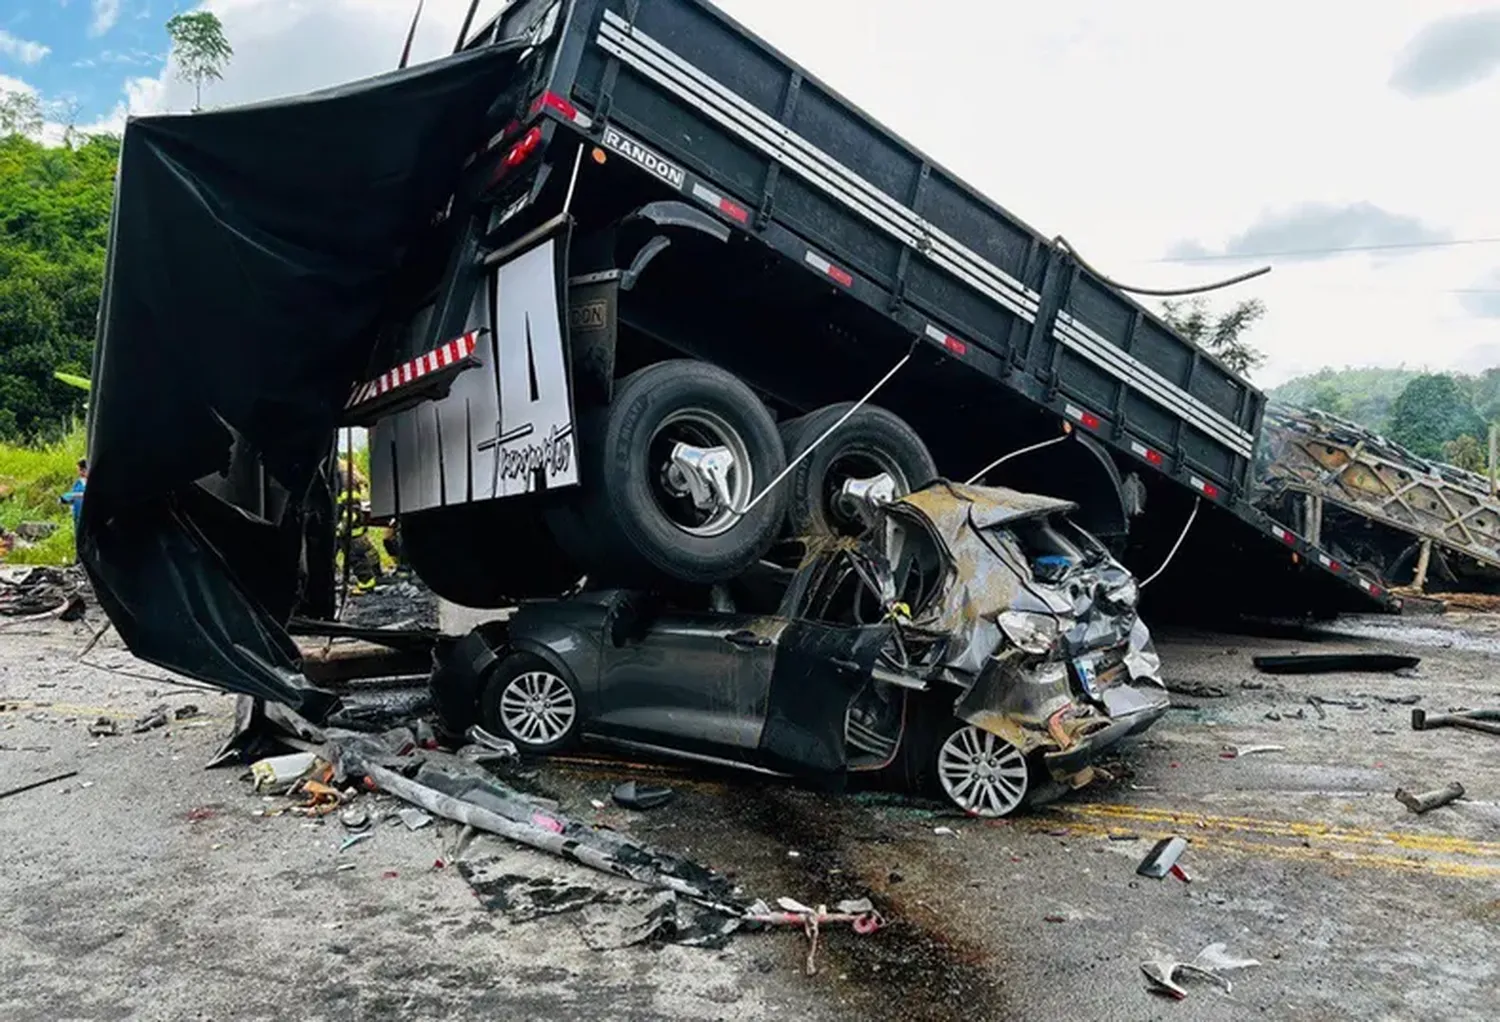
<point>31,480</point>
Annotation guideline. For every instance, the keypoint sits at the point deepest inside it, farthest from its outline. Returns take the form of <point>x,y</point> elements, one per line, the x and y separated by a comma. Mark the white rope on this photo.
<point>1015,454</point>
<point>826,434</point>
<point>1173,552</point>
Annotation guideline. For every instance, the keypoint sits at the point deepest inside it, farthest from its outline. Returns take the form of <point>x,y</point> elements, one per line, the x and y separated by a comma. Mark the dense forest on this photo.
<point>54,222</point>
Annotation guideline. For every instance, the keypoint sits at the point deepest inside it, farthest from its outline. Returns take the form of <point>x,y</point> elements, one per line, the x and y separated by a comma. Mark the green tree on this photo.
<point>1431,411</point>
<point>199,49</point>
<point>1466,452</point>
<point>1222,334</point>
<point>20,114</point>
<point>1328,398</point>
<point>54,222</point>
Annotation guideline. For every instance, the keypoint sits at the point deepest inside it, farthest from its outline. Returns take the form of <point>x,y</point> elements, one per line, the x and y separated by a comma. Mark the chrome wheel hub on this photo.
<point>538,708</point>
<point>982,773</point>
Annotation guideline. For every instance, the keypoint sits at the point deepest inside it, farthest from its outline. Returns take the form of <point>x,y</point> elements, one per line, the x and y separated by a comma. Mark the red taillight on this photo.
<point>956,346</point>
<point>522,150</point>
<point>552,101</point>
<point>1153,457</point>
<point>1090,420</point>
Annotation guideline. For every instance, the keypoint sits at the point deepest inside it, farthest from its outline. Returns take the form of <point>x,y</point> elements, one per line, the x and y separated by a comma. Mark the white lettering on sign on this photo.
<point>644,158</point>
<point>532,443</point>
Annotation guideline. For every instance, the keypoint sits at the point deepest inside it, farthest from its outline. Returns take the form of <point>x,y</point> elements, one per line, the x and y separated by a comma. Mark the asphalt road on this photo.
<point>147,888</point>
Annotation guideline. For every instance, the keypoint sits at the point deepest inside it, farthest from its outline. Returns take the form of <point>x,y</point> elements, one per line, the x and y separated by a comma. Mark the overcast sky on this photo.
<point>1172,141</point>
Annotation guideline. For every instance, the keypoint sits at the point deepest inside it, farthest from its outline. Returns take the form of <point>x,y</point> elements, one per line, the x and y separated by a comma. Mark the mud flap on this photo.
<point>819,670</point>
<point>505,427</point>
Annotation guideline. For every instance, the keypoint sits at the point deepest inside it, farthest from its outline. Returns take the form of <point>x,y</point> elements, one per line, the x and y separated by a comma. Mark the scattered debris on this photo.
<point>663,915</point>
<point>1317,705</point>
<point>151,720</point>
<point>200,813</point>
<point>1273,715</point>
<point>1487,721</point>
<point>355,818</point>
<point>1423,801</point>
<point>344,866</point>
<point>1407,700</point>
<point>44,593</point>
<point>859,914</point>
<point>1236,751</point>
<point>414,819</point>
<point>1162,859</point>
<point>37,784</point>
<point>1252,685</point>
<point>1162,973</point>
<point>1197,689</point>
<point>279,773</point>
<point>1327,663</point>
<point>186,712</point>
<point>104,727</point>
<point>523,898</point>
<point>632,795</point>
<point>945,832</point>
<point>354,839</point>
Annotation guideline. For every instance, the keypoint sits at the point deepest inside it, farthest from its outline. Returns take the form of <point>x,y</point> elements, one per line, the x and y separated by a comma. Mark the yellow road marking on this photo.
<point>1209,831</point>
<point>1288,828</point>
<point>1327,856</point>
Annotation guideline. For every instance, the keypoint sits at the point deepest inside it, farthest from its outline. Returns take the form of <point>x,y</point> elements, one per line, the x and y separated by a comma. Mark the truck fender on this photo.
<point>670,213</point>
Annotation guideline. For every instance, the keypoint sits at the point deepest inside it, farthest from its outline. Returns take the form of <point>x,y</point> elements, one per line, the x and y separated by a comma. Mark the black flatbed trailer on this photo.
<point>1013,334</point>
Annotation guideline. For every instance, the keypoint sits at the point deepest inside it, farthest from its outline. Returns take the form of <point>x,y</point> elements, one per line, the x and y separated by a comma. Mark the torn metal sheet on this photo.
<point>521,821</point>
<point>1162,974</point>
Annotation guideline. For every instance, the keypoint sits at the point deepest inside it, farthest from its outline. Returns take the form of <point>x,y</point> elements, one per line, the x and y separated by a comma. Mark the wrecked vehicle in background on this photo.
<point>974,643</point>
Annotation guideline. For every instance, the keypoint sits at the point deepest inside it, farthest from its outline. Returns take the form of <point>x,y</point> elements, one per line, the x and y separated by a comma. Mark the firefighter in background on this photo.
<point>364,567</point>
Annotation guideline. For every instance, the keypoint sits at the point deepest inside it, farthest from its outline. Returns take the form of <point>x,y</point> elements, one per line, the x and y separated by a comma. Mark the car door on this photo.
<point>694,682</point>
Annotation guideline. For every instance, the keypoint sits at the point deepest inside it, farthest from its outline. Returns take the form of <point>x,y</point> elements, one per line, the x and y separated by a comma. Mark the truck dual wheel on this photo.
<point>872,443</point>
<point>669,471</point>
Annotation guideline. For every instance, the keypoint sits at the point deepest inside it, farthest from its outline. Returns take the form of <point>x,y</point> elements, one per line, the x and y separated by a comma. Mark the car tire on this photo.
<point>872,441</point>
<point>531,702</point>
<point>630,524</point>
<point>926,762</point>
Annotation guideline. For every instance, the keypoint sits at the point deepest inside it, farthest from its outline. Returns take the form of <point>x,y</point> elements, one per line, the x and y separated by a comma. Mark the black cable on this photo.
<point>1180,292</point>
<point>463,31</point>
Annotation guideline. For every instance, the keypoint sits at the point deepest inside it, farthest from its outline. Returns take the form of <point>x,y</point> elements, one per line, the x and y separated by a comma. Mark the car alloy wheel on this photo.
<point>982,773</point>
<point>537,708</point>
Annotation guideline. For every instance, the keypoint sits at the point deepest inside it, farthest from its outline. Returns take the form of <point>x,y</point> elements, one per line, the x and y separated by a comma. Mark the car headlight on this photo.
<point>1030,633</point>
<point>1124,596</point>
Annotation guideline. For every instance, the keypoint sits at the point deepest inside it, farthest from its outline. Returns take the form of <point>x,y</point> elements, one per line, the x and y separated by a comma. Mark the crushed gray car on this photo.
<point>973,642</point>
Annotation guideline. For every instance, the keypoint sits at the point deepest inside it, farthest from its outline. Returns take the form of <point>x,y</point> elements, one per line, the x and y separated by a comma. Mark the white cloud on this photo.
<point>23,50</point>
<point>1126,127</point>
<point>106,13</point>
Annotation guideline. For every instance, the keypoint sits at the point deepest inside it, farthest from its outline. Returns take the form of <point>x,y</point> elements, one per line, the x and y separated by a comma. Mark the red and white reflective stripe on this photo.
<point>947,340</point>
<point>733,210</point>
<point>1142,451</point>
<point>1088,419</point>
<point>1368,586</point>
<point>427,362</point>
<point>822,265</point>
<point>1204,487</point>
<point>1284,535</point>
<point>552,101</point>
<point>1329,563</point>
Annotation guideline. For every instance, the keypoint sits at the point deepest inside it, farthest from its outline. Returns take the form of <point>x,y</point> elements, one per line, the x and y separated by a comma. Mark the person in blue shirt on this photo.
<point>74,496</point>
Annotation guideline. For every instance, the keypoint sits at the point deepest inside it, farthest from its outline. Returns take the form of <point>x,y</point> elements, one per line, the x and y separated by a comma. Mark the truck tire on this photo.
<point>873,441</point>
<point>636,518</point>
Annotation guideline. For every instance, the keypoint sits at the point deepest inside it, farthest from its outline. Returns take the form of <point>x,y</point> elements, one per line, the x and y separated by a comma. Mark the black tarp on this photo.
<point>251,251</point>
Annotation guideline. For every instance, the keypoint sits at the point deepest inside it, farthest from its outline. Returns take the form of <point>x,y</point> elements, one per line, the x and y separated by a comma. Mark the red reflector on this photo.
<point>552,101</point>
<point>523,149</point>
<point>1335,566</point>
<point>844,277</point>
<point>1090,420</point>
<point>1375,590</point>
<point>1211,491</point>
<point>734,211</point>
<point>1154,457</point>
<point>956,346</point>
